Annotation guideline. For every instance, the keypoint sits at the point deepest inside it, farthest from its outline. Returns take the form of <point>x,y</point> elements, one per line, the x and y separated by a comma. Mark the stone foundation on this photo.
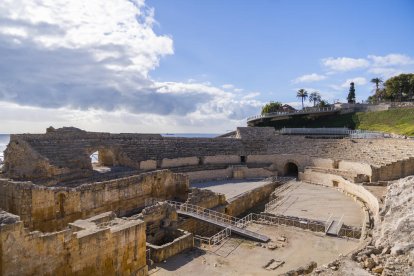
<point>49,209</point>
<point>102,245</point>
<point>183,240</point>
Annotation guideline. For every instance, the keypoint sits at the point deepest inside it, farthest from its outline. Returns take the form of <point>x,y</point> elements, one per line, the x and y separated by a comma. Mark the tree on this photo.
<point>314,97</point>
<point>351,94</point>
<point>303,94</point>
<point>271,107</point>
<point>377,82</point>
<point>400,87</point>
<point>323,103</point>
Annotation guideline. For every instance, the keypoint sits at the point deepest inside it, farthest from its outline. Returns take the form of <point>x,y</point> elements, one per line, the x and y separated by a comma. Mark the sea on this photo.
<point>5,138</point>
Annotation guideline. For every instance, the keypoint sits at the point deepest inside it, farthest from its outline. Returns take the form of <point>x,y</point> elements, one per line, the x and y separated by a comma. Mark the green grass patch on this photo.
<point>399,121</point>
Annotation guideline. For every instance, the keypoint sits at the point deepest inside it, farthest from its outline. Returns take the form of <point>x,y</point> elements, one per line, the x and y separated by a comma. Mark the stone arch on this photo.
<point>105,156</point>
<point>291,169</point>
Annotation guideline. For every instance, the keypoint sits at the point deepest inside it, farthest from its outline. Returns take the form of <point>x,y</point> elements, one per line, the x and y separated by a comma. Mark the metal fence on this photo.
<point>355,134</point>
<point>213,240</point>
<point>285,113</point>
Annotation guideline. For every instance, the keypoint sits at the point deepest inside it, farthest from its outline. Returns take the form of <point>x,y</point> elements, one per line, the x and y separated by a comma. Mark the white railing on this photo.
<point>328,223</point>
<point>215,239</point>
<point>358,133</point>
<point>250,218</point>
<point>284,113</point>
<point>340,223</point>
<point>271,205</point>
<point>195,209</point>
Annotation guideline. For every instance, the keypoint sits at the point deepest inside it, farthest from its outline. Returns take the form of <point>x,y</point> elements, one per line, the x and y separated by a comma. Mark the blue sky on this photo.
<point>188,66</point>
<point>264,45</point>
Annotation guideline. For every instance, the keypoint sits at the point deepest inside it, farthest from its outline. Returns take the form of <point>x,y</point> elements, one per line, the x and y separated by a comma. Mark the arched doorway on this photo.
<point>291,169</point>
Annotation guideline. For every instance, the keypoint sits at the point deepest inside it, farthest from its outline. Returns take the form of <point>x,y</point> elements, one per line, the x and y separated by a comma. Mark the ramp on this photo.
<point>221,220</point>
<point>333,226</point>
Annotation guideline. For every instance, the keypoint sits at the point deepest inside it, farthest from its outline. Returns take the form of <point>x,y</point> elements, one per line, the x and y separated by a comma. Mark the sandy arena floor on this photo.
<point>318,202</point>
<point>242,257</point>
<point>230,187</point>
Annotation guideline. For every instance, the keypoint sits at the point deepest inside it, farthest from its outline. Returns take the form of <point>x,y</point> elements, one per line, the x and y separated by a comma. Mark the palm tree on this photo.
<point>377,82</point>
<point>314,97</point>
<point>302,93</point>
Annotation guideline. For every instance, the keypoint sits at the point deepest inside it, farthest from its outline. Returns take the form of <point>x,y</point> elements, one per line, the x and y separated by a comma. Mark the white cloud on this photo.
<point>345,63</point>
<point>386,72</point>
<point>390,60</point>
<point>309,78</point>
<point>228,86</point>
<point>356,81</point>
<point>92,60</point>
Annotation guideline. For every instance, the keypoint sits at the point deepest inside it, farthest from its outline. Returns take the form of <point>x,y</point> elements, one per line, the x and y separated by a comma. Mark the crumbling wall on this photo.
<point>160,219</point>
<point>205,198</point>
<point>245,201</point>
<point>395,170</point>
<point>88,249</point>
<point>51,208</point>
<point>183,241</point>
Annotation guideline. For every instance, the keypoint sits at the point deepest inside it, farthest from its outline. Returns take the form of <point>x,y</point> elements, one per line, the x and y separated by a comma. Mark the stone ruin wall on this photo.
<point>51,208</point>
<point>245,201</point>
<point>63,154</point>
<point>83,249</point>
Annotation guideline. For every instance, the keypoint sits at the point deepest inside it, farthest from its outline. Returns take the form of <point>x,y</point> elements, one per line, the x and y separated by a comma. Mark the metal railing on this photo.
<point>195,209</point>
<point>277,220</point>
<point>284,113</point>
<point>213,240</point>
<point>356,134</point>
<point>340,223</point>
<point>328,223</point>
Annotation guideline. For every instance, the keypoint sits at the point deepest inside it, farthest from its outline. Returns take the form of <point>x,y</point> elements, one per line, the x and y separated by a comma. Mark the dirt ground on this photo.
<point>318,202</point>
<point>230,187</point>
<point>241,257</point>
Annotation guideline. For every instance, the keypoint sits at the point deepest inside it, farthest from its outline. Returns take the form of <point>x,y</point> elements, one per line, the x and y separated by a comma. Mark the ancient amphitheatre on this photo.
<point>253,202</point>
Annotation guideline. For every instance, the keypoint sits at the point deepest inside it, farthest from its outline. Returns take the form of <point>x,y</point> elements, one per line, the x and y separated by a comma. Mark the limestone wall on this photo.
<point>205,198</point>
<point>394,170</point>
<point>222,159</point>
<point>65,153</point>
<point>159,253</point>
<point>177,162</point>
<point>205,175</point>
<point>243,202</point>
<point>86,249</point>
<point>324,163</point>
<point>256,172</point>
<point>259,159</point>
<point>47,209</point>
<point>357,167</point>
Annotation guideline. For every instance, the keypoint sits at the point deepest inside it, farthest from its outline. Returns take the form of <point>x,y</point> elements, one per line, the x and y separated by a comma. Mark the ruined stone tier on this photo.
<point>64,154</point>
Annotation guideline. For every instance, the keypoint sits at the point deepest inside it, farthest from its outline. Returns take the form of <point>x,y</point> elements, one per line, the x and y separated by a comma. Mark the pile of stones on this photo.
<point>382,261</point>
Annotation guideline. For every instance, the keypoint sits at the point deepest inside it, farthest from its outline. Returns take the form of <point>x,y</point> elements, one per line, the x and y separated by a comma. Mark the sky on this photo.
<point>189,66</point>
